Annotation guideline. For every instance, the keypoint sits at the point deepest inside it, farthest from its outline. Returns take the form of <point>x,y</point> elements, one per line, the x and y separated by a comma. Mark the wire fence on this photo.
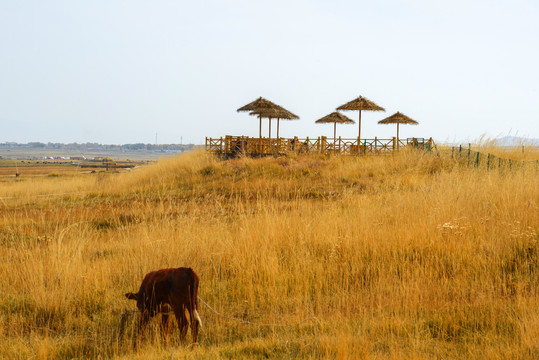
<point>488,161</point>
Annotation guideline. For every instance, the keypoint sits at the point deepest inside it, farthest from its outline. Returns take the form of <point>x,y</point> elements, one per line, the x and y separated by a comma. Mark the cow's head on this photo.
<point>131,296</point>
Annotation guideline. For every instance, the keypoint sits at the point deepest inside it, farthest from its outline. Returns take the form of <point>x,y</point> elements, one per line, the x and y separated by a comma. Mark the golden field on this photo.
<point>404,256</point>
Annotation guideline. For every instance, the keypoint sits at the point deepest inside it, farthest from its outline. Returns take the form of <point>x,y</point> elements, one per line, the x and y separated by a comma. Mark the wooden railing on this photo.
<point>243,145</point>
<point>214,145</point>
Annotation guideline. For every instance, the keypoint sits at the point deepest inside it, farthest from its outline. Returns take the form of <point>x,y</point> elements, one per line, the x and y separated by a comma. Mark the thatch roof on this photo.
<point>335,117</point>
<point>259,104</point>
<point>361,104</point>
<point>275,113</point>
<point>267,109</point>
<point>398,118</point>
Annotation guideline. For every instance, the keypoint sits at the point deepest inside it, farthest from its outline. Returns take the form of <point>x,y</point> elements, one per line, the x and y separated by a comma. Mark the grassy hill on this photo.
<point>405,256</point>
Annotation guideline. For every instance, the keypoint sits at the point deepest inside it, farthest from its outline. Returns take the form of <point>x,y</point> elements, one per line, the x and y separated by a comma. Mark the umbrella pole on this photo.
<point>398,136</point>
<point>359,135</point>
<point>269,136</point>
<point>278,128</point>
<point>334,136</point>
<point>260,117</point>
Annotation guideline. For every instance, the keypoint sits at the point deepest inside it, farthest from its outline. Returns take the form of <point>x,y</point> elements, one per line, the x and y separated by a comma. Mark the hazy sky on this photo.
<point>113,71</point>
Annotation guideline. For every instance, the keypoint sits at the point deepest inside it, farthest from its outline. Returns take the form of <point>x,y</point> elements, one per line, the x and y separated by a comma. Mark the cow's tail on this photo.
<point>193,288</point>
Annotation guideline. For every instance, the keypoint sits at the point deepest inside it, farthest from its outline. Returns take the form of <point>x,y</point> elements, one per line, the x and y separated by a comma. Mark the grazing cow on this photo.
<point>168,290</point>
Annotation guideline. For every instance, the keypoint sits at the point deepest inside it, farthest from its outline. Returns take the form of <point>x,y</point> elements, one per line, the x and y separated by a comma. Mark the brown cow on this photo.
<point>169,289</point>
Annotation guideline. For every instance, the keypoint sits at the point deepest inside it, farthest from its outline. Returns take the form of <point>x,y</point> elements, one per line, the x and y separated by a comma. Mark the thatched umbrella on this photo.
<point>398,119</point>
<point>335,118</point>
<point>360,104</point>
<point>275,114</point>
<point>260,105</point>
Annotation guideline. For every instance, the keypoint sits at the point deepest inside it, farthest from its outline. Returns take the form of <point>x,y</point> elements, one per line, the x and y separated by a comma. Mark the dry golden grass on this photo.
<point>410,256</point>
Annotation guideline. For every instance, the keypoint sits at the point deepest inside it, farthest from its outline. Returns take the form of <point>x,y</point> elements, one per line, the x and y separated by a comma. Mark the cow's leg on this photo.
<point>144,320</point>
<point>179,311</point>
<point>165,324</point>
<point>195,324</point>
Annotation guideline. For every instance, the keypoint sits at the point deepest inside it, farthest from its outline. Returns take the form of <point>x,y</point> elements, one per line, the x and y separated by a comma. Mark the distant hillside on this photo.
<point>516,141</point>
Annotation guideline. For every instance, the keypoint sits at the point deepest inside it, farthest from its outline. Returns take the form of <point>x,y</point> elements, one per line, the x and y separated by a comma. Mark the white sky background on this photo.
<point>113,71</point>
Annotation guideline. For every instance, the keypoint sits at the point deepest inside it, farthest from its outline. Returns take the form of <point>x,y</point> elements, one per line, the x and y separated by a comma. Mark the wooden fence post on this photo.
<point>227,145</point>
